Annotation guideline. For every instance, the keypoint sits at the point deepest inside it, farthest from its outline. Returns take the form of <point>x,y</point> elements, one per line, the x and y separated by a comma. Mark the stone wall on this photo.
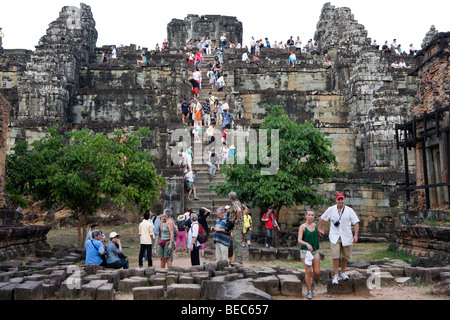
<point>355,102</point>
<point>195,27</point>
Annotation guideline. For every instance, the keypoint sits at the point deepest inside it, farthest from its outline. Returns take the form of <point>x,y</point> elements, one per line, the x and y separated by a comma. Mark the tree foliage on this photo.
<point>305,161</point>
<point>78,169</point>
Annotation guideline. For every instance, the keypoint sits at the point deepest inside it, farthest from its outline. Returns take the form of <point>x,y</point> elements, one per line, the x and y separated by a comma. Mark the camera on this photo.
<point>337,223</point>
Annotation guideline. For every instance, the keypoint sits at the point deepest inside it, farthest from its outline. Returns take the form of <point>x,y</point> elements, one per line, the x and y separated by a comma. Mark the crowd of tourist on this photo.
<point>395,48</point>
<point>232,231</point>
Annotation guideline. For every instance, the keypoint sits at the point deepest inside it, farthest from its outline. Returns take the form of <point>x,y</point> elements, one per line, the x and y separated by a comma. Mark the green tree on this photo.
<point>78,169</point>
<point>305,161</point>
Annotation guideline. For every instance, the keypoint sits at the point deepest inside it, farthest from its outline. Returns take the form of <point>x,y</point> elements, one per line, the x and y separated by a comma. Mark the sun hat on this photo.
<point>181,217</point>
<point>113,235</point>
<point>227,207</point>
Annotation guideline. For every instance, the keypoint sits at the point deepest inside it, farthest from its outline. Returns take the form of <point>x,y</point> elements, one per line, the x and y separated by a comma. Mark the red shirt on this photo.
<point>269,224</point>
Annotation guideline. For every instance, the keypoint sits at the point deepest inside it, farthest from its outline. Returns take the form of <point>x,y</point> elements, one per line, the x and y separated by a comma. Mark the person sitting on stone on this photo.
<point>395,65</point>
<point>412,50</point>
<point>245,57</point>
<point>327,62</point>
<point>165,45</point>
<point>115,258</point>
<point>402,64</point>
<point>95,250</point>
<point>375,45</point>
<point>292,59</point>
<point>143,60</point>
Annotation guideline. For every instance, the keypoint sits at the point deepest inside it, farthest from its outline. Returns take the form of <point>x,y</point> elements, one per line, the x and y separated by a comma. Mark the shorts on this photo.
<point>164,251</point>
<point>185,114</point>
<point>338,250</point>
<point>315,254</point>
<point>190,185</point>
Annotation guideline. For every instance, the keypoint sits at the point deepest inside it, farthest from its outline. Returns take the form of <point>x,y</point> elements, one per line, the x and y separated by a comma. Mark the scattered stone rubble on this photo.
<point>56,274</point>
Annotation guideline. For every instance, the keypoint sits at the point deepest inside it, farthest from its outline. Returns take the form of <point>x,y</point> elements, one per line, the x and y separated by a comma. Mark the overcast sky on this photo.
<point>144,23</point>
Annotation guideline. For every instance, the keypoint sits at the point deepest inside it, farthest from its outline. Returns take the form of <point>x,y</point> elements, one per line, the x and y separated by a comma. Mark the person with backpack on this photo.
<point>203,214</point>
<point>270,220</point>
<point>181,237</point>
<point>193,243</point>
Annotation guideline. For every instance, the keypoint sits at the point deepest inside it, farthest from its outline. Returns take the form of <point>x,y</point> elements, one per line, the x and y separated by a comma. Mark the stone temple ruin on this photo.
<point>368,110</point>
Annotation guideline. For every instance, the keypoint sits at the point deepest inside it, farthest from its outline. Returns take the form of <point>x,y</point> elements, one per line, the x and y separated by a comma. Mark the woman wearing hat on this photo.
<point>181,237</point>
<point>114,256</point>
<point>308,238</point>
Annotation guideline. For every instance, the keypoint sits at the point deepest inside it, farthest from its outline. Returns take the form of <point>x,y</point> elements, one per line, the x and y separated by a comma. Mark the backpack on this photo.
<point>202,235</point>
<point>181,225</point>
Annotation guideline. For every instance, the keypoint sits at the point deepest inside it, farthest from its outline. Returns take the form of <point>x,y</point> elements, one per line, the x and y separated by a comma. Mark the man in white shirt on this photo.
<point>245,57</point>
<point>394,44</point>
<point>146,239</point>
<point>341,238</point>
<point>186,161</point>
<point>190,177</point>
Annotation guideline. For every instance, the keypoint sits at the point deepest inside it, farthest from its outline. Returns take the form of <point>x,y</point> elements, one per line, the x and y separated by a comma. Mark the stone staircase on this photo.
<point>203,93</point>
<point>203,181</point>
<point>208,199</point>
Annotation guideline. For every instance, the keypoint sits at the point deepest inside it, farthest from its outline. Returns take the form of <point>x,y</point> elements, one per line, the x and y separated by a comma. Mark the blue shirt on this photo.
<point>156,225</point>
<point>226,119</point>
<point>94,248</point>
<point>221,237</point>
<point>112,253</point>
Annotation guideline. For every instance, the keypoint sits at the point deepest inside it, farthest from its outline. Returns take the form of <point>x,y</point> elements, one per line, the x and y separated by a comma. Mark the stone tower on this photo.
<point>70,42</point>
<point>195,27</point>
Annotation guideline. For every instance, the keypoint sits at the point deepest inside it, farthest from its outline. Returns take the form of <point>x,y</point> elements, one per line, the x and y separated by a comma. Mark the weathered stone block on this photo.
<point>49,287</point>
<point>254,254</point>
<point>133,282</point>
<point>106,292</point>
<point>149,271</point>
<point>209,288</point>
<point>184,291</point>
<point>343,287</point>
<point>29,290</point>
<point>360,286</point>
<point>241,290</point>
<point>171,279</point>
<point>138,272</point>
<point>6,276</point>
<point>70,288</point>
<point>185,279</point>
<point>112,276</point>
<point>89,291</point>
<point>158,279</point>
<point>268,254</point>
<point>7,291</point>
<point>444,276</point>
<point>283,254</point>
<point>270,284</point>
<point>405,281</point>
<point>290,285</point>
<point>148,293</point>
<point>200,276</point>
<point>125,273</point>
<point>234,276</point>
